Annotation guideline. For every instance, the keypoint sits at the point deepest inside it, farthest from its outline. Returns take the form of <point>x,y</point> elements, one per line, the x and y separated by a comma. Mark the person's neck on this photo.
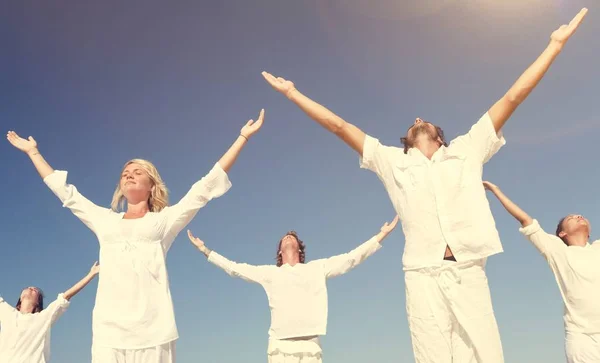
<point>426,146</point>
<point>27,307</point>
<point>289,257</point>
<point>580,239</point>
<point>137,210</point>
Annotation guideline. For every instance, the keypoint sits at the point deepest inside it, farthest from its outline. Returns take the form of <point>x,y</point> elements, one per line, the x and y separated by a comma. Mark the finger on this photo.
<point>280,79</point>
<point>190,235</point>
<point>249,123</point>
<point>31,139</point>
<point>578,18</point>
<point>270,78</point>
<point>261,115</point>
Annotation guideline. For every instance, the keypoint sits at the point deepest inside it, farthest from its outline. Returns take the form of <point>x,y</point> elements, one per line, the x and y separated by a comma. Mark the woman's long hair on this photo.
<point>40,303</point>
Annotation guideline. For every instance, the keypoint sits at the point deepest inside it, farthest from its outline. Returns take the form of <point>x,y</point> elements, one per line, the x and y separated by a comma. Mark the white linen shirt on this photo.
<point>133,308</point>
<point>297,294</point>
<point>440,201</point>
<point>25,338</point>
<point>577,273</point>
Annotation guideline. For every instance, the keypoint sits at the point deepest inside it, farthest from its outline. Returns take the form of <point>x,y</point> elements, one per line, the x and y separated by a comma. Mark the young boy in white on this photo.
<point>133,318</point>
<point>576,266</point>
<point>436,190</point>
<point>25,329</point>
<point>297,292</point>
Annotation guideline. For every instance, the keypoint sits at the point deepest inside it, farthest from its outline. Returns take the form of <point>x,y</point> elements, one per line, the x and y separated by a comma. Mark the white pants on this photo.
<point>582,348</point>
<point>299,350</point>
<point>450,314</point>
<point>160,354</point>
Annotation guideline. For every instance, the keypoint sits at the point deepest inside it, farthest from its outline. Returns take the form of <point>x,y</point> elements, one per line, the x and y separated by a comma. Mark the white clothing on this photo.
<point>297,294</point>
<point>440,201</point>
<point>582,348</point>
<point>295,351</point>
<point>450,314</point>
<point>164,353</point>
<point>577,272</point>
<point>133,307</point>
<point>25,338</point>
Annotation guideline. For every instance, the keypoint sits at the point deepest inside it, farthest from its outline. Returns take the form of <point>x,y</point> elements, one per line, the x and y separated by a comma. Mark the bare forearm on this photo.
<point>229,158</point>
<point>534,74</point>
<point>75,289</point>
<point>41,165</point>
<point>349,133</point>
<point>512,208</point>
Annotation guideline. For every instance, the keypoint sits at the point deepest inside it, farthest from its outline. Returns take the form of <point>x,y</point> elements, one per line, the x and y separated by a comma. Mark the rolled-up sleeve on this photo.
<point>548,245</point>
<point>250,273</point>
<point>340,264</point>
<point>57,307</point>
<point>483,139</point>
<point>88,212</point>
<point>213,185</point>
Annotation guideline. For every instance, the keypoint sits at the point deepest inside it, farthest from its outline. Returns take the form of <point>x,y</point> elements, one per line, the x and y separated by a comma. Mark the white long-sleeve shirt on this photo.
<point>25,338</point>
<point>440,201</point>
<point>133,307</point>
<point>297,294</point>
<point>577,273</point>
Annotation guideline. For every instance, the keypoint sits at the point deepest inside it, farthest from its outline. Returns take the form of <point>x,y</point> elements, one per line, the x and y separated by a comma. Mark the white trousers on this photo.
<point>160,354</point>
<point>450,314</point>
<point>582,348</point>
<point>297,350</point>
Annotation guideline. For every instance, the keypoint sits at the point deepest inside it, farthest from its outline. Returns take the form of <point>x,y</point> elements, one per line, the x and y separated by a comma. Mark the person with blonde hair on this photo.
<point>297,292</point>
<point>133,318</point>
<point>25,329</point>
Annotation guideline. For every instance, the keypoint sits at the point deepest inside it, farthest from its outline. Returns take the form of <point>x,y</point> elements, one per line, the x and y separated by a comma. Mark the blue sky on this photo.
<point>99,83</point>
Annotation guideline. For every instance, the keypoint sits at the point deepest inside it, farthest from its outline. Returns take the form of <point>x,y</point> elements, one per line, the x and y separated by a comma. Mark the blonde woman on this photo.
<point>133,318</point>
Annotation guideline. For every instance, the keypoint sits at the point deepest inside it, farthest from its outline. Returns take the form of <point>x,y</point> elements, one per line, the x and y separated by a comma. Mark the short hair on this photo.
<point>301,248</point>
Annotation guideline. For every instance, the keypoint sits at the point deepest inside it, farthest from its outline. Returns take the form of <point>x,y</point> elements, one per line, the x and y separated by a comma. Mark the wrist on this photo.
<point>555,46</point>
<point>244,136</point>
<point>33,152</point>
<point>290,93</point>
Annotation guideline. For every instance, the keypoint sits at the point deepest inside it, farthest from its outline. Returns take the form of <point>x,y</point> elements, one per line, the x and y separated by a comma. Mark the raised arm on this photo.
<point>340,264</point>
<point>29,147</point>
<point>74,290</point>
<point>350,134</point>
<point>249,129</point>
<point>509,205</point>
<point>504,108</point>
<point>250,273</point>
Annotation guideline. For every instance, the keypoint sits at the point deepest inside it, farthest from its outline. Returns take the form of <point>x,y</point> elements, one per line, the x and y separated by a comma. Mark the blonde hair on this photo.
<point>159,196</point>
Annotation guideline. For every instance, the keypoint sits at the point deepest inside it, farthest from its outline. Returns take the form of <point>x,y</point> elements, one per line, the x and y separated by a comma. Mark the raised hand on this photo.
<point>252,127</point>
<point>279,84</point>
<point>95,269</point>
<point>25,145</point>
<point>562,34</point>
<point>489,186</point>
<point>195,240</point>
<point>388,227</point>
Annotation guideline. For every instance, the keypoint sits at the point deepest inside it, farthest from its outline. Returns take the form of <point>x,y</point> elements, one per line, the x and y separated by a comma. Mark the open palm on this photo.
<point>95,268</point>
<point>562,34</point>
<point>252,127</point>
<point>195,240</point>
<point>279,84</point>
<point>388,227</point>
<point>25,145</point>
